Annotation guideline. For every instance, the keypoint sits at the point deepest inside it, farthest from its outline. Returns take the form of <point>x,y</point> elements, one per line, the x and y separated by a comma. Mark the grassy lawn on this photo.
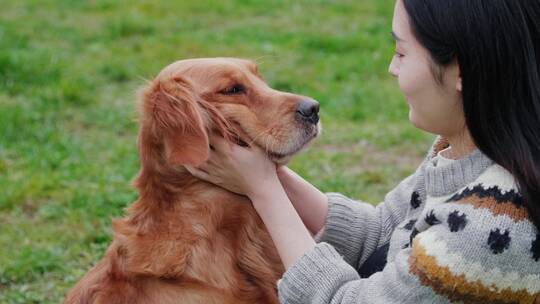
<point>68,75</point>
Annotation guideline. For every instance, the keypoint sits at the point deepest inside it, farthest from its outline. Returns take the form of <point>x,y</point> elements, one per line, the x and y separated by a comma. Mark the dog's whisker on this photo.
<point>146,80</point>
<point>266,148</point>
<point>259,60</point>
<point>260,134</point>
<point>270,146</point>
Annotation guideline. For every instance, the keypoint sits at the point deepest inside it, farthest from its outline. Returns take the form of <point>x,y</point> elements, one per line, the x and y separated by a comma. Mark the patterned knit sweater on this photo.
<point>458,232</point>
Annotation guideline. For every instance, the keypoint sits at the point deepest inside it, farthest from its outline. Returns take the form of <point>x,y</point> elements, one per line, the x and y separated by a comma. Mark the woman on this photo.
<point>463,227</point>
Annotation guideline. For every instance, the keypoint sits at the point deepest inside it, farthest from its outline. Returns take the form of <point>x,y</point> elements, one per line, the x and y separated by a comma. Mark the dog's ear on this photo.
<point>180,120</point>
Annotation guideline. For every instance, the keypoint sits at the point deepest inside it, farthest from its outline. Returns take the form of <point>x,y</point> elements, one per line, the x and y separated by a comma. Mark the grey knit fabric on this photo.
<point>457,233</point>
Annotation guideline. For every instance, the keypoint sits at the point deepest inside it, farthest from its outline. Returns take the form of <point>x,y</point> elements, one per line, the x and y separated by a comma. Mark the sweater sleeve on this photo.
<point>356,229</point>
<point>322,276</point>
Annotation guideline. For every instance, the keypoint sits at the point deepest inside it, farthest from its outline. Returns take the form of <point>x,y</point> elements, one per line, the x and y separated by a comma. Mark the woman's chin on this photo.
<point>413,118</point>
<point>422,125</point>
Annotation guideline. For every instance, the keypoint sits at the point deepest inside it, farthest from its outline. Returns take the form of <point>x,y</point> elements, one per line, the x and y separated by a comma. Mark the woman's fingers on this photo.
<point>199,173</point>
<point>256,149</point>
<point>209,169</point>
<point>223,147</point>
<point>218,143</point>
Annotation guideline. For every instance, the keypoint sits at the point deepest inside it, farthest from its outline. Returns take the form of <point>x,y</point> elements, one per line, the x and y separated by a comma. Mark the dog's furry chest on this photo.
<point>203,240</point>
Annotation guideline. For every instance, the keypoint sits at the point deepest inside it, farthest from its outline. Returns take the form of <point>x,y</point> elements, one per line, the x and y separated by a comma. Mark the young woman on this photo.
<point>463,227</point>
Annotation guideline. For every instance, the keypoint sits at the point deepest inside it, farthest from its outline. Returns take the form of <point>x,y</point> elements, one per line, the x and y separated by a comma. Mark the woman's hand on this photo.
<point>246,171</point>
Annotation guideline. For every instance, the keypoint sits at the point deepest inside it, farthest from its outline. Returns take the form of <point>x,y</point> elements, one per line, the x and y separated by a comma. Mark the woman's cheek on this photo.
<point>406,84</point>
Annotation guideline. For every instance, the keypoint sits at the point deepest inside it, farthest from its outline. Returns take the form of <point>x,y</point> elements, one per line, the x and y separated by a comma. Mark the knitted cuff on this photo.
<point>345,225</point>
<point>316,274</point>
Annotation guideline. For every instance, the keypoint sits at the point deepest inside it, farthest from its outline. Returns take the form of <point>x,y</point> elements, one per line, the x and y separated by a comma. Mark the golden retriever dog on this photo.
<point>185,240</point>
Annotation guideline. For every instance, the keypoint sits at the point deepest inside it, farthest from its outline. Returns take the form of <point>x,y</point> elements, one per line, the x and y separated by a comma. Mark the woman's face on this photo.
<point>433,107</point>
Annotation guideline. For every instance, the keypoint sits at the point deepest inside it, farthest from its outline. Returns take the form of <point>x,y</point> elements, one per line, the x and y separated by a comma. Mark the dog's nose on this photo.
<point>308,111</point>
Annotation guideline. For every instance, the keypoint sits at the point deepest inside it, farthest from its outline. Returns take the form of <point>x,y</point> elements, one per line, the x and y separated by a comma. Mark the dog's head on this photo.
<point>190,98</point>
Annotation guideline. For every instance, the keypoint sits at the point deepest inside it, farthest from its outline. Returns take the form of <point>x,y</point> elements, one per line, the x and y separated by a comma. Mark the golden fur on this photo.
<point>184,240</point>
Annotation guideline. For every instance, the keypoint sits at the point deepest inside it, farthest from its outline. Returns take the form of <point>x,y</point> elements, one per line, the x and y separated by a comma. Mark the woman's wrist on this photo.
<point>265,190</point>
<point>289,180</point>
<point>285,175</point>
<point>310,203</point>
<point>291,237</point>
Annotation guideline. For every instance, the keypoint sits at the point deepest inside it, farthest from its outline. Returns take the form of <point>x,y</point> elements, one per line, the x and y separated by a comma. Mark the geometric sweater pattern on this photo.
<point>458,233</point>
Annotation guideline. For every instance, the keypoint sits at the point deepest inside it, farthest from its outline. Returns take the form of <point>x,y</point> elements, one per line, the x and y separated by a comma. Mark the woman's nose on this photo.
<point>392,68</point>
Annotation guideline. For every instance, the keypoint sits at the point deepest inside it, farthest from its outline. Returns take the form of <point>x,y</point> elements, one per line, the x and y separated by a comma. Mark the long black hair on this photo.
<point>497,46</point>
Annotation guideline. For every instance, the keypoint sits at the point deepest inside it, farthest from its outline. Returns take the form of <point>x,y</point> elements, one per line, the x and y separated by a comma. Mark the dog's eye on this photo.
<point>233,90</point>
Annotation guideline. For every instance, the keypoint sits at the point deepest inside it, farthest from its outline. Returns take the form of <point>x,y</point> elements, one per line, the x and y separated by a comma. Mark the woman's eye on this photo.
<point>234,90</point>
<point>398,54</point>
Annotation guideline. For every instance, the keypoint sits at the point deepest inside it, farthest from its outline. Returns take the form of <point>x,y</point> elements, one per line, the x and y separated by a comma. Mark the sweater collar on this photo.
<point>447,179</point>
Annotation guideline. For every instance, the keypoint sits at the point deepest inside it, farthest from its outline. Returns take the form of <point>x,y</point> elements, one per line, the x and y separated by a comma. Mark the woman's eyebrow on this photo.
<point>396,38</point>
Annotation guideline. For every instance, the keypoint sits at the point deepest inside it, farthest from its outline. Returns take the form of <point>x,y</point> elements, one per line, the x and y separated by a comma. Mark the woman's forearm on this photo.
<point>310,203</point>
<point>290,236</point>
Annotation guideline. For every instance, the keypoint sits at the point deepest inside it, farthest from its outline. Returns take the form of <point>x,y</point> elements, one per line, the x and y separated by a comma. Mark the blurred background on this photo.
<point>69,71</point>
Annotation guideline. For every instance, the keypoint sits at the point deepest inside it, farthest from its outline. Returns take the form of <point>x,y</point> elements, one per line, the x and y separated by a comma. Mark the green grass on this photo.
<point>68,73</point>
